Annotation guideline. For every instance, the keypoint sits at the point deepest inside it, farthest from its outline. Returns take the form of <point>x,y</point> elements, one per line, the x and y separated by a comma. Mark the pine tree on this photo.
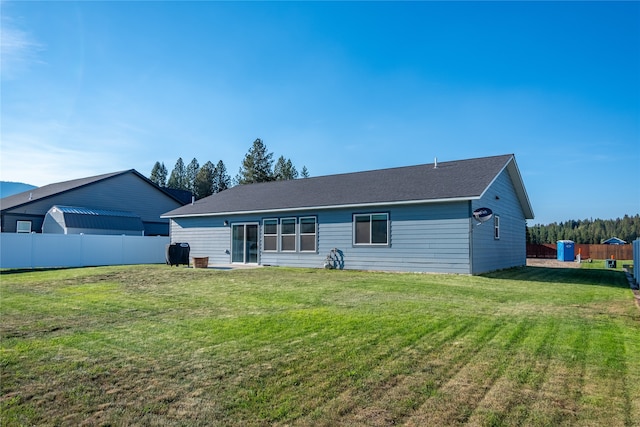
<point>588,231</point>
<point>203,182</point>
<point>221,180</point>
<point>305,172</point>
<point>159,174</point>
<point>178,179</point>
<point>284,170</point>
<point>257,164</point>
<point>190,174</point>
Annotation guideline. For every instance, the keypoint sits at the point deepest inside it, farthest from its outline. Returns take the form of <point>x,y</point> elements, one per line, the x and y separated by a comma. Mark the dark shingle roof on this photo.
<point>50,190</point>
<point>462,179</point>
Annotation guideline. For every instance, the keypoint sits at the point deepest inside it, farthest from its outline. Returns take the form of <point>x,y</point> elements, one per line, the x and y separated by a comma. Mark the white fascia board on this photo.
<point>522,192</point>
<point>518,185</point>
<point>496,177</point>
<point>315,208</point>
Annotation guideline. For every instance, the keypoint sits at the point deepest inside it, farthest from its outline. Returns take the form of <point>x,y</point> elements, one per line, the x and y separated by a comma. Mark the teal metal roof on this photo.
<point>88,218</point>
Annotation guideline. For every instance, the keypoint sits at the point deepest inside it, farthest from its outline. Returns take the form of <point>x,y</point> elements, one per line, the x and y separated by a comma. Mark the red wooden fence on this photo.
<point>541,251</point>
<point>586,251</point>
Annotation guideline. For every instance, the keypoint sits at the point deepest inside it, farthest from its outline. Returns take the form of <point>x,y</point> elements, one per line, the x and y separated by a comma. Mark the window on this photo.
<point>288,234</point>
<point>270,234</point>
<point>371,229</point>
<point>496,227</point>
<point>308,234</point>
<point>23,227</point>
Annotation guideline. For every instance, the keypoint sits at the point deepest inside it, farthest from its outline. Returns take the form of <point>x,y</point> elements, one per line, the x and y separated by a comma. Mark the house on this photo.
<point>416,218</point>
<point>113,203</point>
<point>614,241</point>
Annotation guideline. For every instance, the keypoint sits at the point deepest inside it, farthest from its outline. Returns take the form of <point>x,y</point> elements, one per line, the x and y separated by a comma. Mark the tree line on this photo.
<point>586,231</point>
<point>202,181</point>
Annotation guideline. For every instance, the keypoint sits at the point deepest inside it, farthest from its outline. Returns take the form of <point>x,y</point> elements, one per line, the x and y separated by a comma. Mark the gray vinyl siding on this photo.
<point>126,192</point>
<point>488,253</point>
<point>206,236</point>
<point>423,238</point>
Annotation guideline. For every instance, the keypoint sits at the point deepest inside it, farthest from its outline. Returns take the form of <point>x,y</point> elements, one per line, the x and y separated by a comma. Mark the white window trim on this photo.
<point>295,235</point>
<point>315,233</point>
<point>277,235</point>
<point>21,222</point>
<point>496,227</point>
<point>370,215</point>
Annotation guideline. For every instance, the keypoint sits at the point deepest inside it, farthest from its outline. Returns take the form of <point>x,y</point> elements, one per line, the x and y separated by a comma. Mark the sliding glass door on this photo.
<point>244,243</point>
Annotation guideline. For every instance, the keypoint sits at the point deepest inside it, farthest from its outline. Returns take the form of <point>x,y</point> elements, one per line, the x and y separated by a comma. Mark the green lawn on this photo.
<point>155,345</point>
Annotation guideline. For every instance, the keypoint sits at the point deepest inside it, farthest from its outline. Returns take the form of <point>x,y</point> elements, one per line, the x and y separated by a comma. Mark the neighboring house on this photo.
<point>415,218</point>
<point>128,192</point>
<point>614,241</point>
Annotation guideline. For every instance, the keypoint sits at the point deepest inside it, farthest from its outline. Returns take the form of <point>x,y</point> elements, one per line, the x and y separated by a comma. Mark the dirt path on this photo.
<point>551,263</point>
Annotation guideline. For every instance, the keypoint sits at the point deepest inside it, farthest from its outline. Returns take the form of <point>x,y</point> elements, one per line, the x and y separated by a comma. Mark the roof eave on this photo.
<point>313,208</point>
<point>67,190</point>
<point>518,184</point>
<point>521,191</point>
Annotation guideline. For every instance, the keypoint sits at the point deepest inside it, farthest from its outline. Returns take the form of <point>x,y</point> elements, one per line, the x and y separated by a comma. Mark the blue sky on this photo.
<point>96,87</point>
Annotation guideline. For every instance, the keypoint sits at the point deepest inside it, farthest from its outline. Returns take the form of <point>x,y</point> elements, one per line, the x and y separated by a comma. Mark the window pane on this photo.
<point>237,246</point>
<point>252,243</point>
<point>288,243</point>
<point>288,226</point>
<point>308,242</point>
<point>363,226</point>
<point>23,227</point>
<point>308,234</point>
<point>270,226</point>
<point>379,229</point>
<point>307,225</point>
<point>270,243</point>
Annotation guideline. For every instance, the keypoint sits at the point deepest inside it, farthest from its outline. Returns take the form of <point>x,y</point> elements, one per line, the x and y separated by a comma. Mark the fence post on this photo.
<point>32,250</point>
<point>636,261</point>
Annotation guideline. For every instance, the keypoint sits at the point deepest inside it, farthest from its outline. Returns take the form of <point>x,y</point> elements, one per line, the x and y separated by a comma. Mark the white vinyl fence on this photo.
<point>78,250</point>
<point>636,261</point>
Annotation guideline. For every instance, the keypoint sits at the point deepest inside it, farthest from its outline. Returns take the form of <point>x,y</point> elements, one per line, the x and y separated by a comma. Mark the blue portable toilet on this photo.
<point>566,250</point>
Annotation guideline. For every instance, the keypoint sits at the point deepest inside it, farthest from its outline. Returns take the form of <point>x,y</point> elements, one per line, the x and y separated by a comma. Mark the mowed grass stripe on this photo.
<point>153,345</point>
<point>394,389</point>
<point>508,400</point>
<point>605,391</point>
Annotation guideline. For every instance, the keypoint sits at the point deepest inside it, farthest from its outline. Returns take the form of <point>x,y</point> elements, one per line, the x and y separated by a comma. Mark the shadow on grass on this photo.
<point>580,276</point>
<point>34,270</point>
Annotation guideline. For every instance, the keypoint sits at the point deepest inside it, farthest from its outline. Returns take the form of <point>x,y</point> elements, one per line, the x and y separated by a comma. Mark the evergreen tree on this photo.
<point>190,174</point>
<point>203,182</point>
<point>284,170</point>
<point>587,231</point>
<point>305,172</point>
<point>220,180</point>
<point>256,166</point>
<point>178,177</point>
<point>159,174</point>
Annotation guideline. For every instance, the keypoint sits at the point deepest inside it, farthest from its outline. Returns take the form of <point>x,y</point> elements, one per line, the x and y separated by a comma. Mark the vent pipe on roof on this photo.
<point>193,199</point>
<point>435,163</point>
<point>30,196</point>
